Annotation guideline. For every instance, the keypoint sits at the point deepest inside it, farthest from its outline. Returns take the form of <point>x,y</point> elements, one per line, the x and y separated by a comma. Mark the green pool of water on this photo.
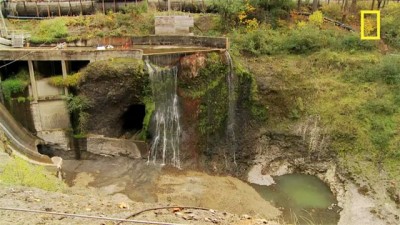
<point>305,199</point>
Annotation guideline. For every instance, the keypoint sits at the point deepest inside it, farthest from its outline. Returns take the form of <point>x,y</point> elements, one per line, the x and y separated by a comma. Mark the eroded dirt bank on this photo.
<point>101,188</point>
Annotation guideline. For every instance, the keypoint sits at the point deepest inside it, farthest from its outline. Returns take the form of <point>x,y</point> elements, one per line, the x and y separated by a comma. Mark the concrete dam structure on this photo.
<point>47,106</point>
<point>21,141</point>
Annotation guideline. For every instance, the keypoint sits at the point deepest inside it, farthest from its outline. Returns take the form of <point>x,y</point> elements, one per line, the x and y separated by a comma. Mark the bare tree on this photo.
<point>379,4</point>
<point>385,2</point>
<point>315,5</point>
<point>373,4</point>
<point>345,10</point>
<point>353,6</point>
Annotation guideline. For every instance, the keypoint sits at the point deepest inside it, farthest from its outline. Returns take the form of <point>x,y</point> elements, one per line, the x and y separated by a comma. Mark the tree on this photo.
<point>379,4</point>
<point>315,5</point>
<point>373,4</point>
<point>353,6</point>
<point>345,10</point>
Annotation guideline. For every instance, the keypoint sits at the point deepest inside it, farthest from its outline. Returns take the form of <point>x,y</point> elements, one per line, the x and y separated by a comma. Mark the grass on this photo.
<point>20,172</point>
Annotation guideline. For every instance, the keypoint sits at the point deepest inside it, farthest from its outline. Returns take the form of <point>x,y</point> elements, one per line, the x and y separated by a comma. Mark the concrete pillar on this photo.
<point>33,81</point>
<point>64,74</point>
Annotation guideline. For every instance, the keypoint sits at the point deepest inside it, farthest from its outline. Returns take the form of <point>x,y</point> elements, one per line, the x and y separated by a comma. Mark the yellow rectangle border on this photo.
<point>378,24</point>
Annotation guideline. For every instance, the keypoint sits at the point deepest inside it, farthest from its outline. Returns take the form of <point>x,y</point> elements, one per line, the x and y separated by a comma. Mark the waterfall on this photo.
<point>231,124</point>
<point>165,144</point>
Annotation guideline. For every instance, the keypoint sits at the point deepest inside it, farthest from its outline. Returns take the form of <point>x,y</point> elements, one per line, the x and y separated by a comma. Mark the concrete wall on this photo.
<point>45,89</point>
<point>179,40</point>
<point>173,25</point>
<point>59,137</point>
<point>90,54</point>
<point>51,120</point>
<point>54,115</point>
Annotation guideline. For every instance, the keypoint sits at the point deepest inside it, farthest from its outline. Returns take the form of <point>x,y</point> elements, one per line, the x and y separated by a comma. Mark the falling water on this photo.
<point>165,145</point>
<point>231,107</point>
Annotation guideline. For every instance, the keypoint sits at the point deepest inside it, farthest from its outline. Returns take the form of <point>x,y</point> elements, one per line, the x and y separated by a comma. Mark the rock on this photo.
<point>394,194</point>
<point>123,205</point>
<point>99,144</point>
<point>176,209</point>
<point>255,176</point>
<point>190,65</point>
<point>245,216</point>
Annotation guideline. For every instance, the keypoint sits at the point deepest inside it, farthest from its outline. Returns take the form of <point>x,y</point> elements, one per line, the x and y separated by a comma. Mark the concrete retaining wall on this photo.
<point>173,25</point>
<point>45,89</point>
<point>101,145</point>
<point>178,40</point>
<point>58,137</point>
<point>67,54</point>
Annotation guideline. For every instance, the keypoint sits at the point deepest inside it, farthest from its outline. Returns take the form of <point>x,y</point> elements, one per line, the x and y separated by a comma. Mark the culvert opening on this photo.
<point>45,150</point>
<point>132,119</point>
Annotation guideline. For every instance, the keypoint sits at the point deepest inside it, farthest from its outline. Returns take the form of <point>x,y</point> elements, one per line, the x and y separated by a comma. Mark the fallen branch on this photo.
<point>337,23</point>
<point>165,207</point>
<point>85,216</point>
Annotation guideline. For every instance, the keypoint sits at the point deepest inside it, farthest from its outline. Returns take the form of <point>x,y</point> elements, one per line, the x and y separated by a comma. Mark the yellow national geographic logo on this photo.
<point>370,25</point>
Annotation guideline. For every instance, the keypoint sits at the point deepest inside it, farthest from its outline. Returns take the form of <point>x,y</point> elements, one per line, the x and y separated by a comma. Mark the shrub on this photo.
<point>304,40</point>
<point>387,70</point>
<point>77,106</point>
<point>13,86</point>
<point>50,31</point>
<point>353,42</point>
<point>135,9</point>
<point>258,42</point>
<point>20,172</point>
<point>391,30</point>
<point>69,81</point>
<point>316,19</point>
<point>229,11</point>
<point>271,11</point>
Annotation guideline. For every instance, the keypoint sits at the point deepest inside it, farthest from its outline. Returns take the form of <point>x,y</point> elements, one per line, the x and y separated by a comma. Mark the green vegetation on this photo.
<point>210,89</point>
<point>77,106</point>
<point>50,31</point>
<point>304,38</point>
<point>114,68</point>
<point>150,107</point>
<point>13,86</point>
<point>391,25</point>
<point>248,93</point>
<point>70,81</point>
<point>20,172</point>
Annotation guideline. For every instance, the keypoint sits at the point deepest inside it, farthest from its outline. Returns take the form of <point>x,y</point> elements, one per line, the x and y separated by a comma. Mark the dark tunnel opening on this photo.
<point>133,118</point>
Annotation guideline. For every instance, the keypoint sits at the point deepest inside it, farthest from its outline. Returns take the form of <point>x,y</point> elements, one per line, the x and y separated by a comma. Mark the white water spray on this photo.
<point>166,139</point>
<point>231,124</point>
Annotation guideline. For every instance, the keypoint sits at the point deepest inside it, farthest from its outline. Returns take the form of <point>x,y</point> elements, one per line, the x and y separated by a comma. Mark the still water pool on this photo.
<point>305,199</point>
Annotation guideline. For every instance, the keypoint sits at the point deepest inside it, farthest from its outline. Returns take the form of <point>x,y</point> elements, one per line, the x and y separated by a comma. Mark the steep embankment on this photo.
<point>332,114</point>
<point>19,140</point>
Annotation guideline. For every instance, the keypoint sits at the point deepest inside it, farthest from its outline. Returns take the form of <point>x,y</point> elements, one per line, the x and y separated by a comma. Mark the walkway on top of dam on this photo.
<point>137,48</point>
